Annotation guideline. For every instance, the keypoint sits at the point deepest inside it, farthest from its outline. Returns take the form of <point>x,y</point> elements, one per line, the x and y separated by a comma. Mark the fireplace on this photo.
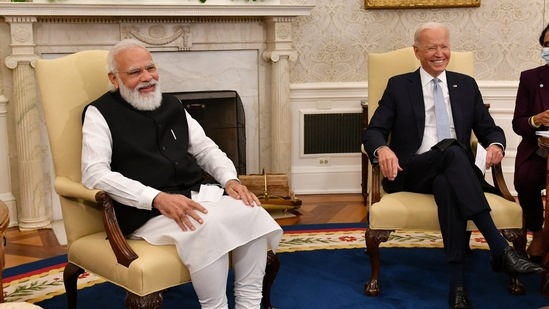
<point>250,43</point>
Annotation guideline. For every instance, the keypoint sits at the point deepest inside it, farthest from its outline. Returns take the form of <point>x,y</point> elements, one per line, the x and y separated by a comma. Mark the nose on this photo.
<point>145,75</point>
<point>438,51</point>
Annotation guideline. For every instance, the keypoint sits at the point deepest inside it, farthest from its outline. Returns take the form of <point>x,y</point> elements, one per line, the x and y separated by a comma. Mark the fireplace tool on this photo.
<point>284,200</point>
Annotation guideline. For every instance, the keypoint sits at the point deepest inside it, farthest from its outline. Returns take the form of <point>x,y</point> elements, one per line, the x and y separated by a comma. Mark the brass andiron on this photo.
<point>274,201</point>
<point>266,190</point>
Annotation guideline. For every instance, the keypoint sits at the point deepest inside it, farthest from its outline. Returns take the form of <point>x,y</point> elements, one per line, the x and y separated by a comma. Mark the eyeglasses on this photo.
<point>136,72</point>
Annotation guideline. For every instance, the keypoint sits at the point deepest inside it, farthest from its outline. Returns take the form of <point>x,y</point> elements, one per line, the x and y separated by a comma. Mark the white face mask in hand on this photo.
<point>545,54</point>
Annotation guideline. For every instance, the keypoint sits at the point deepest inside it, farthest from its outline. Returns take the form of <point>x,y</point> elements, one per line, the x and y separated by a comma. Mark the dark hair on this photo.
<point>542,36</point>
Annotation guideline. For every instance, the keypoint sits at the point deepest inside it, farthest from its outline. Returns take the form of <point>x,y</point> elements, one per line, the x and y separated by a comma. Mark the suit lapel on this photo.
<point>455,97</point>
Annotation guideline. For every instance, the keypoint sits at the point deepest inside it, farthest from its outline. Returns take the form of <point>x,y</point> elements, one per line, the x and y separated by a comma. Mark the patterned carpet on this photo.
<point>348,238</point>
<point>47,282</point>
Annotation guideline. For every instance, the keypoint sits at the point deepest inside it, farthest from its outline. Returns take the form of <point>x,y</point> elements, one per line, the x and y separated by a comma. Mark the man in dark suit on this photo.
<point>417,159</point>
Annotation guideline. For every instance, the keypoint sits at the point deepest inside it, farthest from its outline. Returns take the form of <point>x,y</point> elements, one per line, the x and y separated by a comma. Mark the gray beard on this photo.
<point>140,101</point>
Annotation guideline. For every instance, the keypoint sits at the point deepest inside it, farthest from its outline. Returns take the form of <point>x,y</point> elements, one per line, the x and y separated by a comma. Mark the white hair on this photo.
<point>429,26</point>
<point>121,47</point>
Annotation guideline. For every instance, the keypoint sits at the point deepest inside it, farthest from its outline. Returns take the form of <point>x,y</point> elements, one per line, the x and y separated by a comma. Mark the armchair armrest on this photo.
<point>499,182</point>
<point>376,183</point>
<point>101,200</point>
<point>69,188</point>
<point>375,191</point>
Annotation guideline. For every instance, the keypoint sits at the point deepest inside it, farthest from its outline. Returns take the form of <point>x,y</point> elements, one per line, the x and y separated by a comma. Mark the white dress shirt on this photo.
<point>97,152</point>
<point>430,132</point>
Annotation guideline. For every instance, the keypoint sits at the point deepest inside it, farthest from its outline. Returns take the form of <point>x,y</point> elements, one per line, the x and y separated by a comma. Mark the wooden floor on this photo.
<point>29,246</point>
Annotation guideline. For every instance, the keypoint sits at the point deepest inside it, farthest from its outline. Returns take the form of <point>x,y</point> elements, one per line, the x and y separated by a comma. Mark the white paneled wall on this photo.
<point>501,97</point>
<point>342,174</point>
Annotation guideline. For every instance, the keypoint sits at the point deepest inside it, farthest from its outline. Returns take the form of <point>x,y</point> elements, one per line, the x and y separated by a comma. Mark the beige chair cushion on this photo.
<point>416,211</point>
<point>157,268</point>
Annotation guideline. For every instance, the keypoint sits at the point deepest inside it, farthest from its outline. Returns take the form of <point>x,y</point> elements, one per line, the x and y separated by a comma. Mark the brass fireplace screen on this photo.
<point>221,114</point>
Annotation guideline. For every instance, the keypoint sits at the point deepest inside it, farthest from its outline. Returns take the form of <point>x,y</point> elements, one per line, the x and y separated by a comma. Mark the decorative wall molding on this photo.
<point>153,9</point>
<point>342,175</point>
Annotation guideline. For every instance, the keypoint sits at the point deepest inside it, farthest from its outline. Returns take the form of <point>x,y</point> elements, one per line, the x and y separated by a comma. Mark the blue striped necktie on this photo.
<point>441,114</point>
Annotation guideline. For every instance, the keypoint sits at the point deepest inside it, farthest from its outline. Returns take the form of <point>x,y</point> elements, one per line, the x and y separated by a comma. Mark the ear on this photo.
<point>416,50</point>
<point>114,81</point>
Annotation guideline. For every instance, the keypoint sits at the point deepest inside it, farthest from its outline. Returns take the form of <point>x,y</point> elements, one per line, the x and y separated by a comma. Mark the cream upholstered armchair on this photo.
<point>415,211</point>
<point>95,242</point>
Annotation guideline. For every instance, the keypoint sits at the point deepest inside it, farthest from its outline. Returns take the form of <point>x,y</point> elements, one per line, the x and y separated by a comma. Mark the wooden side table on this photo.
<point>543,142</point>
<point>4,221</point>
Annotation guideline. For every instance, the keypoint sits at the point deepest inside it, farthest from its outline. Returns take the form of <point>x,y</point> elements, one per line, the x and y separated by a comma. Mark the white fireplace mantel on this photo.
<point>249,41</point>
<point>154,9</point>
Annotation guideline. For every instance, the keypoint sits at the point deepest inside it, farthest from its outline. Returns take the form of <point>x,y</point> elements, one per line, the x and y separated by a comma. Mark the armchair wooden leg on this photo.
<point>373,239</point>
<point>518,238</point>
<point>70,278</point>
<point>273,265</point>
<point>150,301</point>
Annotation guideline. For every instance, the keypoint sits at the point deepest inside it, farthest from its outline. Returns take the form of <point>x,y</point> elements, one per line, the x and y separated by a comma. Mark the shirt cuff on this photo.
<point>223,179</point>
<point>500,146</point>
<point>147,198</point>
<point>378,148</point>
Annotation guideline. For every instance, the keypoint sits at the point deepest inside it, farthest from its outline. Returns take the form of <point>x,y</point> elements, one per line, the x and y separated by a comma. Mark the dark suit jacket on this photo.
<point>532,98</point>
<point>401,114</point>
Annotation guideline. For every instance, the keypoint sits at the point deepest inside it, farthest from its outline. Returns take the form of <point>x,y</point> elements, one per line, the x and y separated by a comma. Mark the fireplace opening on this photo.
<point>221,114</point>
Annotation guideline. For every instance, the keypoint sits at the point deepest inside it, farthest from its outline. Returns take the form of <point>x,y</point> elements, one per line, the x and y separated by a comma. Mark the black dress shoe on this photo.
<point>514,263</point>
<point>459,299</point>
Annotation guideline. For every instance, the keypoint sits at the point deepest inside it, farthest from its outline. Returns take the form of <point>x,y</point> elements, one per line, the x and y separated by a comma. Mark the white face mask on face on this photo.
<point>545,54</point>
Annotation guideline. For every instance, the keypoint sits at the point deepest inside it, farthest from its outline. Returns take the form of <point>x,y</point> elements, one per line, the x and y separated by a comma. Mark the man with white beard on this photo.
<point>148,153</point>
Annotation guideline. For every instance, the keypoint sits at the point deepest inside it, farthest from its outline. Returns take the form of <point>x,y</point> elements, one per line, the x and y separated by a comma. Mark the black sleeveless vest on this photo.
<point>149,147</point>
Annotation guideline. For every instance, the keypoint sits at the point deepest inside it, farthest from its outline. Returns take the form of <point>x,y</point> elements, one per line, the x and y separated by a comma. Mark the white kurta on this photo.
<point>228,224</point>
